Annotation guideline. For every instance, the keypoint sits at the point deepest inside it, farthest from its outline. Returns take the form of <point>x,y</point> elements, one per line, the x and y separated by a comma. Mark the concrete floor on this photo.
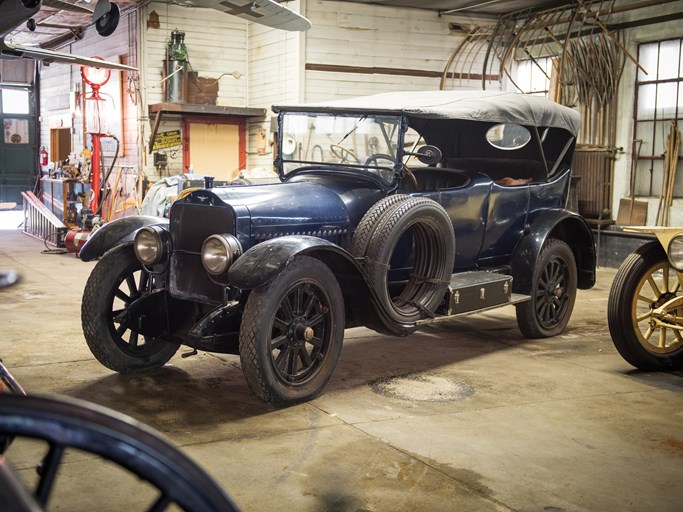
<point>463,415</point>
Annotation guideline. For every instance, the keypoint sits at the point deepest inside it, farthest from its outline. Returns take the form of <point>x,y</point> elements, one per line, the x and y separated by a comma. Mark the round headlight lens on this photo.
<point>219,252</point>
<point>148,246</point>
<point>676,252</point>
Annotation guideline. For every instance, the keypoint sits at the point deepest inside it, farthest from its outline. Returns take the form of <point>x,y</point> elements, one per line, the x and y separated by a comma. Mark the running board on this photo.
<point>476,292</point>
<point>515,298</point>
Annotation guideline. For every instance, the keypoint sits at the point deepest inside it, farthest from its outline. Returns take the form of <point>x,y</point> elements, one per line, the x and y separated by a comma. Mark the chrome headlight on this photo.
<point>219,252</point>
<point>150,245</point>
<point>675,252</point>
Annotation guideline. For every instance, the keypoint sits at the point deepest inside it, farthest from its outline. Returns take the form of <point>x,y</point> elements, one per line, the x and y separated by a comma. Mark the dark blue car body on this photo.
<point>504,209</point>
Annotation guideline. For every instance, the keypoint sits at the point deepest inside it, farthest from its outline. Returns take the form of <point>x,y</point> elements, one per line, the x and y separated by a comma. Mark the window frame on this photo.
<point>650,164</point>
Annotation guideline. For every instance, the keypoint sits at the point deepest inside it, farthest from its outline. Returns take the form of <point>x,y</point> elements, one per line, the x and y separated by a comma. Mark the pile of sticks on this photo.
<point>595,65</point>
<point>673,144</point>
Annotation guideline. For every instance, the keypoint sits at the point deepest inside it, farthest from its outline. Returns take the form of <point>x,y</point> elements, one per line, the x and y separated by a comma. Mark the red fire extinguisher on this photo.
<point>43,155</point>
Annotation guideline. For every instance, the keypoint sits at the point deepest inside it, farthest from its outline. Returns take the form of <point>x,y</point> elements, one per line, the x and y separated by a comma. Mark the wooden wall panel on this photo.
<point>216,46</point>
<point>348,35</point>
<point>275,76</point>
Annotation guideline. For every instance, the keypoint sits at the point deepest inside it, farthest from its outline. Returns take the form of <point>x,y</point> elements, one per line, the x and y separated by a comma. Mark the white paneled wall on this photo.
<point>216,46</point>
<point>60,85</point>
<point>350,35</point>
<point>275,76</point>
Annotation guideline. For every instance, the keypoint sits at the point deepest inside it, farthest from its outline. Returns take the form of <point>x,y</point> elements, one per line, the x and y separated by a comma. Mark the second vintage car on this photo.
<point>392,211</point>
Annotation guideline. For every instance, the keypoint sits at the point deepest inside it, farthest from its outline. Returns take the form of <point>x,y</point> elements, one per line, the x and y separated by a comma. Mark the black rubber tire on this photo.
<point>630,283</point>
<point>282,365</point>
<point>119,278</point>
<point>433,251</point>
<point>367,225</point>
<point>106,25</point>
<point>68,423</point>
<point>553,292</point>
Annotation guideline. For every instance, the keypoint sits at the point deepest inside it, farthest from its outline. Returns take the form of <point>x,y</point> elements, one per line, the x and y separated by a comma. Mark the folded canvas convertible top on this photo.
<point>492,106</point>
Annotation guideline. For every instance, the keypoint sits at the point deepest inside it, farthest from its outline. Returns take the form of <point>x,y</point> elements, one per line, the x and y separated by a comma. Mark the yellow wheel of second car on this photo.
<point>644,282</point>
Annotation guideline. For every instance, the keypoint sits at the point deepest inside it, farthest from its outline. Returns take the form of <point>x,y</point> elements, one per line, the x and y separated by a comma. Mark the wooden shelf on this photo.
<point>159,109</point>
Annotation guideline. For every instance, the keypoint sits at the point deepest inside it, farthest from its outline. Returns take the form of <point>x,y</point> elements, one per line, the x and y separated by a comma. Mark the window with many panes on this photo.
<point>658,108</point>
<point>533,76</point>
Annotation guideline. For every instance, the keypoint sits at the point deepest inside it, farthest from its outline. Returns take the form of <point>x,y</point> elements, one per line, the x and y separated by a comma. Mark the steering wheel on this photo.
<point>375,158</point>
<point>344,155</point>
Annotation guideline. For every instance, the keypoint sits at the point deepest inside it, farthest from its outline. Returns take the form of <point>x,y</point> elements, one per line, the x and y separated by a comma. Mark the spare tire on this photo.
<point>423,228</point>
<point>368,224</point>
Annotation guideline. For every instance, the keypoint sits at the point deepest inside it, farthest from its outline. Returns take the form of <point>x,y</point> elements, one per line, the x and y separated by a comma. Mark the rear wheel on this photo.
<point>553,292</point>
<point>115,283</point>
<point>292,332</point>
<point>644,282</point>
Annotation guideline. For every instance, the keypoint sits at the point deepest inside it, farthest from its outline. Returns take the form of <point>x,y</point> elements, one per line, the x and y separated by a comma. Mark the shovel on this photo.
<point>632,212</point>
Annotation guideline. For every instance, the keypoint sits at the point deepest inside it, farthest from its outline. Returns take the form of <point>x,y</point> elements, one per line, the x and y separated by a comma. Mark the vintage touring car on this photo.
<point>391,211</point>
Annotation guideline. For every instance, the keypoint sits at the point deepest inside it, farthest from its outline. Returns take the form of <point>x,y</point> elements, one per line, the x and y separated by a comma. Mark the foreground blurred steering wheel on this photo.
<point>68,423</point>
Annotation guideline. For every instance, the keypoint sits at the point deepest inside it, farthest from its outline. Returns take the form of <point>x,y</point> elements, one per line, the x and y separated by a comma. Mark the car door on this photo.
<point>506,220</point>
<point>467,208</point>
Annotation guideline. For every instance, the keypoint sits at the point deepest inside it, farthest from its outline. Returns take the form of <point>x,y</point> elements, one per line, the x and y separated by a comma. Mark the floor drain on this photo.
<point>422,388</point>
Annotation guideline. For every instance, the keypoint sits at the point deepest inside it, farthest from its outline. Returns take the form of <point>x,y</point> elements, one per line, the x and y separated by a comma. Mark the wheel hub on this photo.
<point>299,333</point>
<point>663,299</point>
<point>553,291</point>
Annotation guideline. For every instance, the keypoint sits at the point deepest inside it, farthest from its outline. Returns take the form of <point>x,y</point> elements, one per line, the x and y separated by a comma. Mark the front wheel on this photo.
<point>644,282</point>
<point>292,332</point>
<point>553,292</point>
<point>115,283</point>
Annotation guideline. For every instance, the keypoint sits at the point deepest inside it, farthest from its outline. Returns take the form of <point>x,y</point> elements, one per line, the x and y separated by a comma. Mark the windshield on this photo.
<point>365,143</point>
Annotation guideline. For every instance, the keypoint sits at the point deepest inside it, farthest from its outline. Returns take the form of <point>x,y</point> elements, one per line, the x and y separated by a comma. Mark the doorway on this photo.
<point>18,151</point>
<point>214,147</point>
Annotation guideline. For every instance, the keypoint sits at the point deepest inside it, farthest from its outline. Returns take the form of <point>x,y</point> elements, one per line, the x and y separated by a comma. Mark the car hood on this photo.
<point>287,208</point>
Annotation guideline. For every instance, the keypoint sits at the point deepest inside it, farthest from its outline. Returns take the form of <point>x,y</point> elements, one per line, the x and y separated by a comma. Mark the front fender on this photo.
<point>115,233</point>
<point>563,225</point>
<point>264,261</point>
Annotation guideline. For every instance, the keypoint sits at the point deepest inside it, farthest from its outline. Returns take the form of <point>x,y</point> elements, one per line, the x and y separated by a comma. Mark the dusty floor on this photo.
<point>463,415</point>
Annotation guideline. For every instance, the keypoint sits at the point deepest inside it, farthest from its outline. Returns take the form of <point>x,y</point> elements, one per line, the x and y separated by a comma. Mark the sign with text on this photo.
<point>165,140</point>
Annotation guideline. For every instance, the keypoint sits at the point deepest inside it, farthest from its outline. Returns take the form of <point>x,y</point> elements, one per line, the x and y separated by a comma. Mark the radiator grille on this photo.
<point>191,224</point>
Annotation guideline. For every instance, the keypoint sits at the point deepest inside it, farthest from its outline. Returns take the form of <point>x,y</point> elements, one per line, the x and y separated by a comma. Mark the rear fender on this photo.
<point>115,233</point>
<point>563,225</point>
<point>264,261</point>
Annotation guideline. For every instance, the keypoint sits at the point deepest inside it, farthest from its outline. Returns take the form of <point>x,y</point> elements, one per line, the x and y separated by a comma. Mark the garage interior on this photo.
<point>464,414</point>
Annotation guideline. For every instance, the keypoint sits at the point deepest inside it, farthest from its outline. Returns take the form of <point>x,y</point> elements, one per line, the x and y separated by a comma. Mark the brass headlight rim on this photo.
<point>160,240</point>
<point>233,249</point>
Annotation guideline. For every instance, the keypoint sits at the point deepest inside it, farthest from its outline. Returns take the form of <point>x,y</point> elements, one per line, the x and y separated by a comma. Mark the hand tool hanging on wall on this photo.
<point>632,212</point>
<point>673,143</point>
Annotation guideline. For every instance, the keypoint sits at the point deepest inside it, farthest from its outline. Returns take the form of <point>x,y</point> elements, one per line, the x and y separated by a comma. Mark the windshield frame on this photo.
<point>392,174</point>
